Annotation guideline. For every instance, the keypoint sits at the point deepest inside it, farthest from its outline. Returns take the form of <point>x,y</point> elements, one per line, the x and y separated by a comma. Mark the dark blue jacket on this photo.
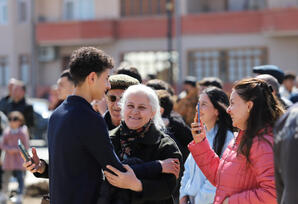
<point>79,148</point>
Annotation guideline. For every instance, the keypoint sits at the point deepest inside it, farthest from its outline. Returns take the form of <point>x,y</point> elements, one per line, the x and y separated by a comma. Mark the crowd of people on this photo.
<point>115,138</point>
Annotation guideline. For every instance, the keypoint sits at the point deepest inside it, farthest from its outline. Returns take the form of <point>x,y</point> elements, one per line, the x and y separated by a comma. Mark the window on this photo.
<point>227,64</point>
<point>69,10</point>
<point>78,9</point>
<point>195,6</point>
<point>3,12</point>
<point>4,71</point>
<point>24,68</point>
<point>143,7</point>
<point>22,11</point>
<point>152,63</point>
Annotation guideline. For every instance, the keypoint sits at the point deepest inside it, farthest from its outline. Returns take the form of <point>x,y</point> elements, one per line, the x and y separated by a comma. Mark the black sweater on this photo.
<point>79,148</point>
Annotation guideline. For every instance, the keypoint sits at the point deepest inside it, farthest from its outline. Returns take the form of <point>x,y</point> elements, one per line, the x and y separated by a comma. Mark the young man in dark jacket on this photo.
<point>79,145</point>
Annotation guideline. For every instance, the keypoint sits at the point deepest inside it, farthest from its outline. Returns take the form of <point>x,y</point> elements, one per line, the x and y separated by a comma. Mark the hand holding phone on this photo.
<point>34,164</point>
<point>198,132</point>
<point>24,151</point>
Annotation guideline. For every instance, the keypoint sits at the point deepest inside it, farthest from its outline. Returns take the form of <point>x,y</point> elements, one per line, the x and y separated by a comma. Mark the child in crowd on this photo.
<point>13,162</point>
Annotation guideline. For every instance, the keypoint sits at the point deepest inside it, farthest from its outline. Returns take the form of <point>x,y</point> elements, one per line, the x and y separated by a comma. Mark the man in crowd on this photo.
<point>65,86</point>
<point>119,83</point>
<point>17,102</point>
<point>187,100</point>
<point>5,100</point>
<point>79,145</point>
<point>285,156</point>
<point>288,85</point>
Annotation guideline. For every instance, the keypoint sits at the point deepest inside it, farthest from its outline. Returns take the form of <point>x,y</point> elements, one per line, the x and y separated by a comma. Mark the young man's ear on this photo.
<point>91,77</point>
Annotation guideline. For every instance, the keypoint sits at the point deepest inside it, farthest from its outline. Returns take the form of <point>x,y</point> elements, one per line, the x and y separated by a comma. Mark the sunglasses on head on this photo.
<point>13,119</point>
<point>113,98</point>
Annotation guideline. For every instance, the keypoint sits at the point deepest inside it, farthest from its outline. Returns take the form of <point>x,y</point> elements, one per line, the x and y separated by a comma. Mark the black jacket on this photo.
<point>285,157</point>
<point>23,107</point>
<point>155,145</point>
<point>108,119</point>
<point>180,132</point>
<point>79,148</point>
<point>3,103</point>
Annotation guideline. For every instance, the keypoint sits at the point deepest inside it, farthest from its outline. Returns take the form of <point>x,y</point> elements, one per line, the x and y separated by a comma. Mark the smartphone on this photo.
<point>199,121</point>
<point>24,151</point>
<point>199,113</point>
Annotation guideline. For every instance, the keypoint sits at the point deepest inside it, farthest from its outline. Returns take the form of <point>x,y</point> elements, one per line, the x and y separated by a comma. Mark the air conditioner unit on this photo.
<point>47,54</point>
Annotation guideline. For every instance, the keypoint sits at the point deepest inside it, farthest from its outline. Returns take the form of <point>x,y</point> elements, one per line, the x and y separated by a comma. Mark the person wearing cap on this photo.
<point>119,83</point>
<point>272,70</point>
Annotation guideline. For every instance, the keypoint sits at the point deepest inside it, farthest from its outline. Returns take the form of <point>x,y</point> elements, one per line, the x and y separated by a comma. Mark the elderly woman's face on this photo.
<point>137,111</point>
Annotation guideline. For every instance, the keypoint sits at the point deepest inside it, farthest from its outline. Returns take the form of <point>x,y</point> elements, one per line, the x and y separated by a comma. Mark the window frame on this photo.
<point>224,61</point>
<point>24,59</point>
<point>23,17</point>
<point>78,11</point>
<point>4,70</point>
<point>3,17</point>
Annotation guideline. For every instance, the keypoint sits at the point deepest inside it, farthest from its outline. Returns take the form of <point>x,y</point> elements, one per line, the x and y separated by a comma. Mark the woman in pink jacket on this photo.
<point>245,172</point>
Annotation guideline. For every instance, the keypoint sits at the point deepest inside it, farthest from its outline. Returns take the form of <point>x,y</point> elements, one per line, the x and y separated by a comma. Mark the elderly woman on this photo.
<point>140,135</point>
<point>245,172</point>
<point>119,83</point>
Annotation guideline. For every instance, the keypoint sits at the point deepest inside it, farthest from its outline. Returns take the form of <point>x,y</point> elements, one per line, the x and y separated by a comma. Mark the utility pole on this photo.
<point>169,9</point>
<point>179,43</point>
<point>34,69</point>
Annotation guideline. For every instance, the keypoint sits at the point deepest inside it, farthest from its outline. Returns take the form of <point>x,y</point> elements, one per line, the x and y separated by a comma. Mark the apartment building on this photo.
<point>223,38</point>
<point>15,42</point>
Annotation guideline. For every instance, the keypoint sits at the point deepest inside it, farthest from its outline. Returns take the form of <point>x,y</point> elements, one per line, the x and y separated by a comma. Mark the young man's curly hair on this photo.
<point>85,60</point>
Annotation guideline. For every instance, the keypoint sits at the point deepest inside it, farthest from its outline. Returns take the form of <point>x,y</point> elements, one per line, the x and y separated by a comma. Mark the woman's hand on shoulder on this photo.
<point>171,166</point>
<point>198,132</point>
<point>125,180</point>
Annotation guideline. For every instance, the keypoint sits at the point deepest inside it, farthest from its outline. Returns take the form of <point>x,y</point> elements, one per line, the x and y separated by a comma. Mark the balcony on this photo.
<point>75,32</point>
<point>273,23</point>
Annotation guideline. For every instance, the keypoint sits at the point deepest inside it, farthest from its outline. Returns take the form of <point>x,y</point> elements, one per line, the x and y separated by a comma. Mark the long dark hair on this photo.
<point>220,101</point>
<point>265,111</point>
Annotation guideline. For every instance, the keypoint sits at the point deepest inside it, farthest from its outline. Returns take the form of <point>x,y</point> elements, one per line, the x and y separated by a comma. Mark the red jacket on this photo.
<point>243,183</point>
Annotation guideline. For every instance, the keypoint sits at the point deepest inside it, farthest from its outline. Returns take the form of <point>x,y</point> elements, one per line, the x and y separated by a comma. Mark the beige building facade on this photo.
<point>15,42</point>
<point>218,38</point>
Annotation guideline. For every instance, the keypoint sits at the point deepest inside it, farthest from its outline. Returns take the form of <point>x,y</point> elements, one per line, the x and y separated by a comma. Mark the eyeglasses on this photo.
<point>113,98</point>
<point>13,119</point>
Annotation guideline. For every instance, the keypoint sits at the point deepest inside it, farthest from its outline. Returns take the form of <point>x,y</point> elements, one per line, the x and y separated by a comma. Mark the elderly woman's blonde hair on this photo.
<point>153,101</point>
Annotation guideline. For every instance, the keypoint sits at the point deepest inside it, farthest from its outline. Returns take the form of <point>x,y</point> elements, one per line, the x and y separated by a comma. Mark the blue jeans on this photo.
<point>18,174</point>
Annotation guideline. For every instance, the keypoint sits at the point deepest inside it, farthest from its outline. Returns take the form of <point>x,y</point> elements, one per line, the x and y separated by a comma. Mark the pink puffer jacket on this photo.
<point>243,183</point>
